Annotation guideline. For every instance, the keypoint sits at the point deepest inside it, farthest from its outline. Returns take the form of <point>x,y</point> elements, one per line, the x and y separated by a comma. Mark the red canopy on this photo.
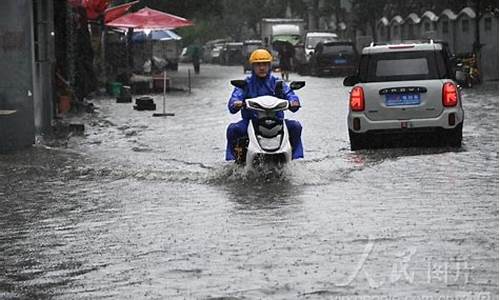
<point>148,18</point>
<point>117,11</point>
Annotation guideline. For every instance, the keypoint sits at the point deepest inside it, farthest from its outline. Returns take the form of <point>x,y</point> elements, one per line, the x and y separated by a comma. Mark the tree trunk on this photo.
<point>476,49</point>
<point>477,38</point>
<point>314,15</point>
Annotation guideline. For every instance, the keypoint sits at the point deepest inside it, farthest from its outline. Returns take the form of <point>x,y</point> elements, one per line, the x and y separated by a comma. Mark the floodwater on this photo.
<point>146,208</point>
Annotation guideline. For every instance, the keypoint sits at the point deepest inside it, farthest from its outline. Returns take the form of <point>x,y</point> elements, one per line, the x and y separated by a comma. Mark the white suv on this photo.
<point>405,93</point>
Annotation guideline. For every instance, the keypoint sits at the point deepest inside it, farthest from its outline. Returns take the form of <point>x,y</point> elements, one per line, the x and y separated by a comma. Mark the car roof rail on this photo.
<point>392,42</point>
<point>421,41</point>
<point>373,44</point>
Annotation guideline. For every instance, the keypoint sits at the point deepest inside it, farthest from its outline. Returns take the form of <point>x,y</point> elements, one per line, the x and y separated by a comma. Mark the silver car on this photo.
<point>405,93</point>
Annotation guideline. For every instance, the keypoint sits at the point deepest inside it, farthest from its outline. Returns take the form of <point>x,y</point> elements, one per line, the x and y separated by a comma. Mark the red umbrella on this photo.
<point>148,18</point>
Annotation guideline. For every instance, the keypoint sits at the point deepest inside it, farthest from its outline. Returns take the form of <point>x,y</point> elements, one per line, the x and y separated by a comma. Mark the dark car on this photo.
<point>231,53</point>
<point>334,57</point>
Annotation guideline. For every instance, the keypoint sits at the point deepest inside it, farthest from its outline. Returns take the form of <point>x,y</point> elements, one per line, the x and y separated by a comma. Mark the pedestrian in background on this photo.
<point>286,53</point>
<point>196,56</point>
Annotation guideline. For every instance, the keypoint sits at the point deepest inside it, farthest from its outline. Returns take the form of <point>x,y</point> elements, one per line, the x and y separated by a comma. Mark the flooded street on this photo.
<point>147,208</point>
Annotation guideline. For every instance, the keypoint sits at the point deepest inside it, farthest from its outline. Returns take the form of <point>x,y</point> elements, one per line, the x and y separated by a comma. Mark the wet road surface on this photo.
<point>146,208</point>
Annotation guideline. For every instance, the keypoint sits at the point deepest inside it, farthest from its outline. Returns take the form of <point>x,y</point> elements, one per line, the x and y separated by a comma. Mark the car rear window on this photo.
<point>400,66</point>
<point>311,42</point>
<point>334,49</point>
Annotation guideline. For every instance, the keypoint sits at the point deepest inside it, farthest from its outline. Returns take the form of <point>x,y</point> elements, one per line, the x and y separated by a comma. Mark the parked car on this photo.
<point>248,47</point>
<point>313,38</point>
<point>406,94</point>
<point>300,62</point>
<point>209,46</point>
<point>336,58</point>
<point>231,53</point>
<point>215,53</point>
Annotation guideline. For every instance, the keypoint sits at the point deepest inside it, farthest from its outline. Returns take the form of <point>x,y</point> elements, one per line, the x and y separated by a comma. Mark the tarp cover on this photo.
<point>291,39</point>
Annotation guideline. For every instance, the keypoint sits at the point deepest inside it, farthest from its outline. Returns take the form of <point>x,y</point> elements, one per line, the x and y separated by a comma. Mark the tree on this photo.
<point>367,13</point>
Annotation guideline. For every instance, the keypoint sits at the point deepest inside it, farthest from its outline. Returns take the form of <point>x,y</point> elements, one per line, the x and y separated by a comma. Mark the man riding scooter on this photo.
<point>262,83</point>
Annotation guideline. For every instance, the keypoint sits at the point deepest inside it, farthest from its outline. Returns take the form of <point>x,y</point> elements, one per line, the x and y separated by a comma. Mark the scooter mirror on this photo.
<point>239,83</point>
<point>351,80</point>
<point>297,85</point>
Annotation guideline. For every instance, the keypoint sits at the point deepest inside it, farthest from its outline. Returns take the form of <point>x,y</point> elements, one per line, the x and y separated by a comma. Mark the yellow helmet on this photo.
<point>260,56</point>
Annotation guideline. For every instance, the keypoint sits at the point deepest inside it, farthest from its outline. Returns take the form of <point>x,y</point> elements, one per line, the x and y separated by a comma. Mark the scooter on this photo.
<point>267,141</point>
<point>472,76</point>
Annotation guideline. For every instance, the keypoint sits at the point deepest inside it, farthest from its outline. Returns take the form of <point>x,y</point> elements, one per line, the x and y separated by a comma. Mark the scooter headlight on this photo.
<point>255,105</point>
<point>270,144</point>
<point>281,106</point>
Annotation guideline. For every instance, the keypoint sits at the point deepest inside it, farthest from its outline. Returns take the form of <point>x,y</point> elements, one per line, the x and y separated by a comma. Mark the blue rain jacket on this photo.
<point>257,87</point>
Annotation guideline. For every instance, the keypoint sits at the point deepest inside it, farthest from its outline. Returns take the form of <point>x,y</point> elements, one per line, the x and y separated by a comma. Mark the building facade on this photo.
<point>488,28</point>
<point>26,71</point>
<point>458,30</point>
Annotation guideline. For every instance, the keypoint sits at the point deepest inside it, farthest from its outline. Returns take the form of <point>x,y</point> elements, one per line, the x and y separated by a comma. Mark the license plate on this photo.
<point>340,61</point>
<point>402,99</point>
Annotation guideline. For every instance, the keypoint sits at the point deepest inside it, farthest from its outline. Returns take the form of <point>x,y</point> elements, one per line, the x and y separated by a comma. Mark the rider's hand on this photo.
<point>238,104</point>
<point>294,105</point>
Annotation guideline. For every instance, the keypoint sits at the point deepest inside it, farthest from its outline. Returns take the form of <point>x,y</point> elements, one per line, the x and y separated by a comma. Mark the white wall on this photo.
<point>489,52</point>
<point>396,31</point>
<point>448,36</point>
<point>464,34</point>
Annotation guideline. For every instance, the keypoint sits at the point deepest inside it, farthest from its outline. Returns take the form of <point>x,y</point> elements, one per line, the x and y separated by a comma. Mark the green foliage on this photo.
<point>192,9</point>
<point>222,18</point>
<point>204,30</point>
<point>226,18</point>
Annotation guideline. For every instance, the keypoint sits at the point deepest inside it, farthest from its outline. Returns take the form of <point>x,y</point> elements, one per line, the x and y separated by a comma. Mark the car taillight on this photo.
<point>357,99</point>
<point>450,94</point>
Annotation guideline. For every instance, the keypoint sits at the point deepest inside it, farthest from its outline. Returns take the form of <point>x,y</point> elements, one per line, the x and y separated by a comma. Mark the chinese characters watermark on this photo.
<point>446,272</point>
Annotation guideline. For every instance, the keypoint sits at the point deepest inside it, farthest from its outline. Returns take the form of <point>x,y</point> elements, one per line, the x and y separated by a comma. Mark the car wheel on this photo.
<point>358,141</point>
<point>454,136</point>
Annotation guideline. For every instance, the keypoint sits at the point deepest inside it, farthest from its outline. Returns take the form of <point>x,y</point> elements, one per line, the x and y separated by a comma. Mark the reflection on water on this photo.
<point>374,157</point>
<point>255,195</point>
